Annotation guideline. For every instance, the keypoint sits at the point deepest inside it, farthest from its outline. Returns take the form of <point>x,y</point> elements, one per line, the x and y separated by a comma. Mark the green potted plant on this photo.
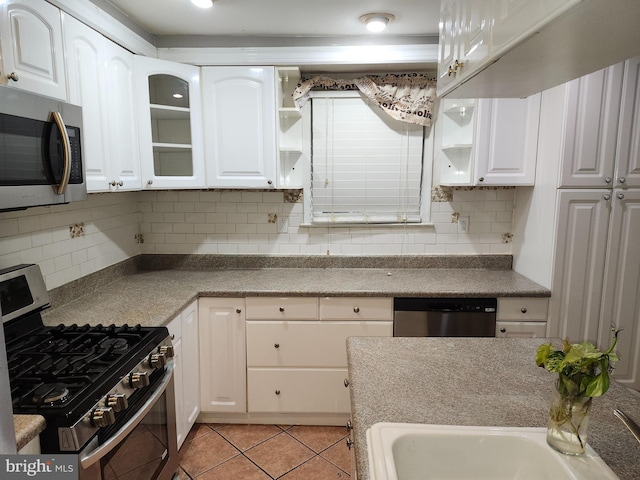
<point>583,373</point>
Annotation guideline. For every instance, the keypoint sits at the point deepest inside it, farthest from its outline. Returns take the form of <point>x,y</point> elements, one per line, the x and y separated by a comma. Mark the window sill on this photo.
<point>368,225</point>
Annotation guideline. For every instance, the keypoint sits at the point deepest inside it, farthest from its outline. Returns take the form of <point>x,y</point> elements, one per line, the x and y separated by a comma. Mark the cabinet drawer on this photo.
<point>356,308</point>
<point>526,309</point>
<point>289,308</point>
<point>521,329</point>
<point>306,344</point>
<point>302,390</point>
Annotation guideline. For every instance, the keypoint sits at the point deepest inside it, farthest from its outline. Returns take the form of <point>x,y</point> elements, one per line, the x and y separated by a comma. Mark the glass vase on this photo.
<point>568,420</point>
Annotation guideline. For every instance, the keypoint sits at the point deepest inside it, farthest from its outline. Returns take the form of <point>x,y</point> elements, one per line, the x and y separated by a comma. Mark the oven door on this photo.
<point>144,448</point>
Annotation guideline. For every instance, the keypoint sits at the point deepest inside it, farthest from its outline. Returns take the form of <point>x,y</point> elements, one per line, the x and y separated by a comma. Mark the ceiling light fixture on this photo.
<point>376,22</point>
<point>203,3</point>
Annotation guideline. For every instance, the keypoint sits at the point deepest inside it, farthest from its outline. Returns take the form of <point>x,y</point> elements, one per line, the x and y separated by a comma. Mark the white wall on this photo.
<point>232,222</point>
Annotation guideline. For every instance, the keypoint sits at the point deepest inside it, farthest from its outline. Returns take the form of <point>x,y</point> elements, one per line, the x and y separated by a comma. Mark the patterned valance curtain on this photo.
<point>405,97</point>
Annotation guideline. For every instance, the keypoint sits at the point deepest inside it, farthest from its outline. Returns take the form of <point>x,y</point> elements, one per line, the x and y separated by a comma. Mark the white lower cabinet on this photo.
<point>223,367</point>
<point>298,364</point>
<point>184,332</point>
<point>522,317</point>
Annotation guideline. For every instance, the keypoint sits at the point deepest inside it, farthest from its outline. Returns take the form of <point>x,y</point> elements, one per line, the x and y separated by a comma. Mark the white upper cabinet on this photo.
<point>100,78</point>
<point>239,118</point>
<point>32,51</point>
<point>121,115</point>
<point>465,39</point>
<point>507,143</point>
<point>515,48</point>
<point>488,141</point>
<point>592,108</point>
<point>170,122</point>
<point>627,172</point>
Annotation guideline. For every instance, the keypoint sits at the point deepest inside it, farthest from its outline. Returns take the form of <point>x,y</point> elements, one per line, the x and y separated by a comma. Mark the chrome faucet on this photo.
<point>630,424</point>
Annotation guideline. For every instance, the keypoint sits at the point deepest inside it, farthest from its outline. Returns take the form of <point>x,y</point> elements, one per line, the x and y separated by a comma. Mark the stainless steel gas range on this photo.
<point>106,392</point>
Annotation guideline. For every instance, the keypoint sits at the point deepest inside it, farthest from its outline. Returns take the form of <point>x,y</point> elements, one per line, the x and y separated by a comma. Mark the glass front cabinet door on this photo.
<point>171,146</point>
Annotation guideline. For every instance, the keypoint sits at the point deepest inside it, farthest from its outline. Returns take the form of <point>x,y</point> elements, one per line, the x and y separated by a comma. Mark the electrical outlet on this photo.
<point>283,224</point>
<point>463,224</point>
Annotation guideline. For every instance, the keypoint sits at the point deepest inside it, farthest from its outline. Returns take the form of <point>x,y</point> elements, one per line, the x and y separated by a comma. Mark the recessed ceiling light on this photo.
<point>203,3</point>
<point>376,22</point>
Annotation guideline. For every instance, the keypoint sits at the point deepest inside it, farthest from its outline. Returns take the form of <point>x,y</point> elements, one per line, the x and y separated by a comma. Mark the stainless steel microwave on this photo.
<point>40,151</point>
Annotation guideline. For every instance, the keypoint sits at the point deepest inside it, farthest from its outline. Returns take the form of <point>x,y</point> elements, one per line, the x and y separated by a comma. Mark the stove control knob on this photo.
<point>117,401</point>
<point>167,350</point>
<point>103,416</point>
<point>157,360</point>
<point>138,379</point>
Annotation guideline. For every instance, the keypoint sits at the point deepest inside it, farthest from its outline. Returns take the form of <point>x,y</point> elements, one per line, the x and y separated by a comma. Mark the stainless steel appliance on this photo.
<point>40,151</point>
<point>444,317</point>
<point>106,392</point>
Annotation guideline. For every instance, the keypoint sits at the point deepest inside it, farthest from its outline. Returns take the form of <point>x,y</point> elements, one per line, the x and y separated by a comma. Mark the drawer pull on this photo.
<point>523,310</point>
<point>277,392</point>
<point>356,309</point>
<point>281,309</point>
<point>349,425</point>
<point>346,382</point>
<point>276,345</point>
<point>349,443</point>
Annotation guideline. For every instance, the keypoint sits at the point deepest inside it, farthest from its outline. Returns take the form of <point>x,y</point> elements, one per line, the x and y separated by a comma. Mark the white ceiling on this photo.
<point>281,18</point>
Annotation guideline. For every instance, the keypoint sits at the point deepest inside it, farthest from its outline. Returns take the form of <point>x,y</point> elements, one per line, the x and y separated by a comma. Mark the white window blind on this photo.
<point>366,166</point>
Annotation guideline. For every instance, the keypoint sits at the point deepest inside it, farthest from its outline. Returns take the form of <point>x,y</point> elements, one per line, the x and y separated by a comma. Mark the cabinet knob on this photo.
<point>503,330</point>
<point>523,310</point>
<point>276,345</point>
<point>608,180</point>
<point>149,182</point>
<point>281,309</point>
<point>270,182</point>
<point>13,76</point>
<point>120,183</point>
<point>277,392</point>
<point>346,382</point>
<point>349,443</point>
<point>622,180</point>
<point>620,196</point>
<point>238,310</point>
<point>349,425</point>
<point>454,68</point>
<point>112,183</point>
<point>356,309</point>
<point>481,179</point>
<point>607,196</point>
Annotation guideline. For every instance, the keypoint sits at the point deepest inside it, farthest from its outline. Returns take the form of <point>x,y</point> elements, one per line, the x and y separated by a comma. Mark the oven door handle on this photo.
<point>89,458</point>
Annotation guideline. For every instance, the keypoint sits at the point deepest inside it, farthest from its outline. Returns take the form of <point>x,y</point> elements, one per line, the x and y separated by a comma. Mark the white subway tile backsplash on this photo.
<point>233,222</point>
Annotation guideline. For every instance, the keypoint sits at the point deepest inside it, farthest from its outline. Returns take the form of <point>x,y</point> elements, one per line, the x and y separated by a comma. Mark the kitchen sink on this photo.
<point>405,451</point>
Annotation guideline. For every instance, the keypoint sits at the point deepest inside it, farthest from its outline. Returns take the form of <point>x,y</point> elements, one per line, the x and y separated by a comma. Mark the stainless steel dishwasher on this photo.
<point>444,317</point>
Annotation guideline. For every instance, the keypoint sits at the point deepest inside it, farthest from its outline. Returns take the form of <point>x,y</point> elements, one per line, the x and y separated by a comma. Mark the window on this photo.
<point>366,167</point>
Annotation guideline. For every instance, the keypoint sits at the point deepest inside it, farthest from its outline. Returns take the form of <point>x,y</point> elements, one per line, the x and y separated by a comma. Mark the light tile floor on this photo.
<point>265,452</point>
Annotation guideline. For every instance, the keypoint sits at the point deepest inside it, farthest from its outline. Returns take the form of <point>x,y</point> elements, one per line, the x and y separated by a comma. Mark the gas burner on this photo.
<point>51,394</point>
<point>114,345</point>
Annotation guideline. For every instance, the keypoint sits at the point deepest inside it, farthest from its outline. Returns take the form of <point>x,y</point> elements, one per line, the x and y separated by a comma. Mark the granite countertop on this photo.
<point>473,381</point>
<point>153,298</point>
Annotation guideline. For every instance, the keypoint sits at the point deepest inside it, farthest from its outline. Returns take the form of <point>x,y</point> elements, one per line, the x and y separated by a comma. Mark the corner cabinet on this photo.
<point>100,78</point>
<point>184,333</point>
<point>170,123</point>
<point>32,51</point>
<point>488,141</point>
<point>239,112</point>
